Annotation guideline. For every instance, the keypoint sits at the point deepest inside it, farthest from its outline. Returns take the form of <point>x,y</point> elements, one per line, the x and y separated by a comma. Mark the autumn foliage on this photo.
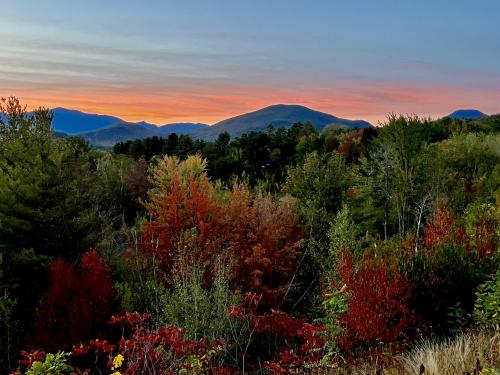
<point>378,305</point>
<point>264,236</point>
<point>286,252</point>
<point>78,304</point>
<point>163,350</point>
<point>185,227</point>
<point>256,235</point>
<point>442,230</point>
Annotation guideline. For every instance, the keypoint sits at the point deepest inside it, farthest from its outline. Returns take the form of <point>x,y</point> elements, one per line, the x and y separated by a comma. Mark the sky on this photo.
<point>207,60</point>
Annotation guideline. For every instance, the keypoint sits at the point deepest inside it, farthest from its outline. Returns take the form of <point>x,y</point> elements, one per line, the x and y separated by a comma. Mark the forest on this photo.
<point>290,251</point>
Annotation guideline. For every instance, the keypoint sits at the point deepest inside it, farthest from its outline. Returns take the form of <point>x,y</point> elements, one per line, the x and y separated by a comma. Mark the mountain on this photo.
<point>122,131</point>
<point>129,131</point>
<point>180,128</point>
<point>280,115</point>
<point>147,125</point>
<point>105,131</point>
<point>467,114</point>
<point>74,122</point>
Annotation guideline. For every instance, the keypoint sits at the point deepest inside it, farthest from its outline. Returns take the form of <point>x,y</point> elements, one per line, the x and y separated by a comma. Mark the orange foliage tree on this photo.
<point>195,222</point>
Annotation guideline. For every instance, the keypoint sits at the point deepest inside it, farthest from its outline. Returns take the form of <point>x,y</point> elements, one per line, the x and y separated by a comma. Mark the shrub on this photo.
<point>378,306</point>
<point>487,305</point>
<point>442,230</point>
<point>77,305</point>
<point>482,227</point>
<point>143,350</point>
<point>53,364</point>
<point>445,276</point>
<point>336,304</point>
<point>199,311</point>
<point>285,344</point>
<point>444,281</point>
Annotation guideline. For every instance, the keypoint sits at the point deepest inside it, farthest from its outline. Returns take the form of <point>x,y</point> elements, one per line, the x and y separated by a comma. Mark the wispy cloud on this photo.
<point>188,65</point>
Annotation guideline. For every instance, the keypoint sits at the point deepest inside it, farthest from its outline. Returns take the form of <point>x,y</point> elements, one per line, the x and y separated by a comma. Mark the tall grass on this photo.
<point>454,356</point>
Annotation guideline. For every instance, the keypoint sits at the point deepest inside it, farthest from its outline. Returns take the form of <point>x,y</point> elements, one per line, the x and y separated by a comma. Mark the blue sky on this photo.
<point>167,61</point>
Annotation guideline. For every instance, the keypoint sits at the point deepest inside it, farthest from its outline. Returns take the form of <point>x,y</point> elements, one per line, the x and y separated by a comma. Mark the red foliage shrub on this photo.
<point>281,341</point>
<point>30,357</point>
<point>278,324</point>
<point>164,350</point>
<point>309,353</point>
<point>444,230</point>
<point>378,310</point>
<point>456,260</point>
<point>441,230</point>
<point>77,305</point>
<point>484,237</point>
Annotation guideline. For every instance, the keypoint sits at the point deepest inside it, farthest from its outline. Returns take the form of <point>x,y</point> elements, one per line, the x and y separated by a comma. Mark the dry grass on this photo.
<point>454,356</point>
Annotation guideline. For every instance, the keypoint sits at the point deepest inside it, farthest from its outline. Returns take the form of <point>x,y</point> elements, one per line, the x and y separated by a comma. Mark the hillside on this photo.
<point>115,133</point>
<point>125,131</point>
<point>74,122</point>
<point>105,131</point>
<point>176,127</point>
<point>179,128</point>
<point>280,115</point>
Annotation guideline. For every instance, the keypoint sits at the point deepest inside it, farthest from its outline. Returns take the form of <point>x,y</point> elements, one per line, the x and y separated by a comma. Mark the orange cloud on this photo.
<point>212,103</point>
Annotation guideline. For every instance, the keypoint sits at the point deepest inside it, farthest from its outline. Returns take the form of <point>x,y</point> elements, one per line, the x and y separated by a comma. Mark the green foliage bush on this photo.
<point>444,282</point>
<point>201,311</point>
<point>487,305</point>
<point>54,364</point>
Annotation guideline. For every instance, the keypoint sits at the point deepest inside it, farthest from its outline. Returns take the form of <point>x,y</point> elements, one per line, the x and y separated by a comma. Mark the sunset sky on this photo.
<point>203,61</point>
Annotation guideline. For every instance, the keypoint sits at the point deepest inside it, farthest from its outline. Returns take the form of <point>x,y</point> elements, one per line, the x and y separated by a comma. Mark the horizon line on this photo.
<point>127,118</point>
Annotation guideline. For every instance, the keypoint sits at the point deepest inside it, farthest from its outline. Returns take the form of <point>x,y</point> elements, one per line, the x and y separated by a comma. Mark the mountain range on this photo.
<point>101,133</point>
<point>106,131</point>
<point>124,131</point>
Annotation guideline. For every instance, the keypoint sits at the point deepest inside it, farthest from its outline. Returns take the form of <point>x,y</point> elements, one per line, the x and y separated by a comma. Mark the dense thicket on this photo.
<point>277,252</point>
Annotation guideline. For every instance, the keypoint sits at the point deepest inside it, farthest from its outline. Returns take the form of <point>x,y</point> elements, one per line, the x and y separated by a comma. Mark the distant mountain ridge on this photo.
<point>279,115</point>
<point>120,132</point>
<point>180,128</point>
<point>73,122</point>
<point>105,131</point>
<point>175,127</point>
<point>125,131</point>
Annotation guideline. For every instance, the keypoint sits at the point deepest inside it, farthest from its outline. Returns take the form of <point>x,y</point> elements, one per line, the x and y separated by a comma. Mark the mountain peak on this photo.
<point>278,115</point>
<point>466,114</point>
